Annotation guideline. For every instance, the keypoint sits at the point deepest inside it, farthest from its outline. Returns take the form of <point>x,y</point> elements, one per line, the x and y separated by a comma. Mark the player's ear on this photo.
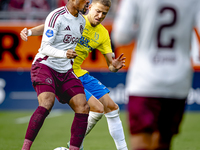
<point>90,6</point>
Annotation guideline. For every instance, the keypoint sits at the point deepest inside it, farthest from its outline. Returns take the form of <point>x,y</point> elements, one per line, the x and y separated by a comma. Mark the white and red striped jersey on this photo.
<point>62,31</point>
<point>161,64</point>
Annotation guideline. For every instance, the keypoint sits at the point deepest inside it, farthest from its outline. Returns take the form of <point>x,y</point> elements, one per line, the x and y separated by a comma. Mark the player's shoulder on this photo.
<point>195,2</point>
<point>101,27</point>
<point>102,32</point>
<point>59,11</point>
<point>55,16</point>
<point>194,5</point>
<point>198,5</point>
<point>81,17</point>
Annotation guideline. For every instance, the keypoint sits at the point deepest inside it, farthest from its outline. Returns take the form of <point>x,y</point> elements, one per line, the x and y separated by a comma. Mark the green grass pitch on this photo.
<point>55,132</point>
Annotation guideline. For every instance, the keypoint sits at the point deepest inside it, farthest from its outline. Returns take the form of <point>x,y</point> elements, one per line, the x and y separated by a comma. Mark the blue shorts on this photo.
<point>93,87</point>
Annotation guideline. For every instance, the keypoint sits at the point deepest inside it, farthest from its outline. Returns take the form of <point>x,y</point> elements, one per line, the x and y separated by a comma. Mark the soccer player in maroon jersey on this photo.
<point>160,73</point>
<point>52,74</point>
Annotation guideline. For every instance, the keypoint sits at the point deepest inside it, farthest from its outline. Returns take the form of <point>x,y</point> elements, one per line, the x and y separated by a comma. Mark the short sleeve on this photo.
<point>105,46</point>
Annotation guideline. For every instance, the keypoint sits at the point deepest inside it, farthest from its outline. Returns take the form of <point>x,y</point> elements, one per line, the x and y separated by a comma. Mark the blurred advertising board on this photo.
<point>16,56</point>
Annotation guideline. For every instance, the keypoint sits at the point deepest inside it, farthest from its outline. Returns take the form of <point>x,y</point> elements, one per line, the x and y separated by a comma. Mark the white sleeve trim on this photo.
<point>48,50</point>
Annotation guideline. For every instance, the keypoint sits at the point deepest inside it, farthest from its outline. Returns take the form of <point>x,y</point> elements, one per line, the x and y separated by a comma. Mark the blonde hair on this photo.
<point>104,2</point>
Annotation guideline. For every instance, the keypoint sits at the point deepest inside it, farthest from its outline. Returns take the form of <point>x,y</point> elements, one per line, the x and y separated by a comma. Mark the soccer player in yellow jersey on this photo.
<point>95,36</point>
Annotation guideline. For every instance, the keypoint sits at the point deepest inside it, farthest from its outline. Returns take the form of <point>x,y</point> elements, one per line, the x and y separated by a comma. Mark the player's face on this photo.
<point>83,5</point>
<point>97,13</point>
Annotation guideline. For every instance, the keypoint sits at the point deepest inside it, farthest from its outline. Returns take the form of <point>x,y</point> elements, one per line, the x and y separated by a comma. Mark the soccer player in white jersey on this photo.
<point>160,73</point>
<point>97,12</point>
<point>52,74</point>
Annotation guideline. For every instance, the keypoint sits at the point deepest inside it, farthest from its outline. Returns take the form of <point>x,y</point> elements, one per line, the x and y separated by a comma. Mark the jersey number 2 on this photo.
<point>166,25</point>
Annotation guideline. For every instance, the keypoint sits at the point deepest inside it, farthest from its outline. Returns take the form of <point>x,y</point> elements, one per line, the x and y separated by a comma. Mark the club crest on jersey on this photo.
<point>48,80</point>
<point>96,36</point>
<point>49,33</point>
<point>81,29</point>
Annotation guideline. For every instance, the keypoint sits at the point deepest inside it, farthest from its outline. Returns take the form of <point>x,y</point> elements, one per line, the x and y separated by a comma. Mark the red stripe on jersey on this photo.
<point>66,9</point>
<point>55,16</point>
<point>41,59</point>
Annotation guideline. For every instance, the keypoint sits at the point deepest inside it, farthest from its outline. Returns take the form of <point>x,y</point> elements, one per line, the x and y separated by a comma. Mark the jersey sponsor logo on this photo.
<point>49,33</point>
<point>69,39</point>
<point>84,42</point>
<point>68,28</point>
<point>81,29</point>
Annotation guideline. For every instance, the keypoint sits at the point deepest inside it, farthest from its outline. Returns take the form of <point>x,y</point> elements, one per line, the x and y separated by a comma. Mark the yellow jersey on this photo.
<point>92,38</point>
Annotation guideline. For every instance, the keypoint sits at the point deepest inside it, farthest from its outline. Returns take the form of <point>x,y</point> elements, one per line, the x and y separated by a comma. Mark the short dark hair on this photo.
<point>104,2</point>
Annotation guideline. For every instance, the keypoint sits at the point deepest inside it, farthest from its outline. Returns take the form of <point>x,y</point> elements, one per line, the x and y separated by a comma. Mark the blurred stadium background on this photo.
<point>17,94</point>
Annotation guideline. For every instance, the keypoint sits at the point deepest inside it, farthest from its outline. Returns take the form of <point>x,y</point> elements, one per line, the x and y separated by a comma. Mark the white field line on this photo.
<point>26,119</point>
<point>29,95</point>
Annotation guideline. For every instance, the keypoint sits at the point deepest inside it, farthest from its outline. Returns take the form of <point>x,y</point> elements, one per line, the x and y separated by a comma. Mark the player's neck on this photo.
<point>72,9</point>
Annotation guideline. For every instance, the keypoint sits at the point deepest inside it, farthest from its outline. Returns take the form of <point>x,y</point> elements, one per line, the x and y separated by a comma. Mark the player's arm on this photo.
<point>46,47</point>
<point>125,25</point>
<point>35,31</point>
<point>50,51</point>
<point>114,64</point>
<point>49,35</point>
<point>105,48</point>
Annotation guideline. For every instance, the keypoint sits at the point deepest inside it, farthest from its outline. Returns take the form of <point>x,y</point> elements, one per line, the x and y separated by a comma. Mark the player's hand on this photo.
<point>71,54</point>
<point>119,62</point>
<point>24,34</point>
